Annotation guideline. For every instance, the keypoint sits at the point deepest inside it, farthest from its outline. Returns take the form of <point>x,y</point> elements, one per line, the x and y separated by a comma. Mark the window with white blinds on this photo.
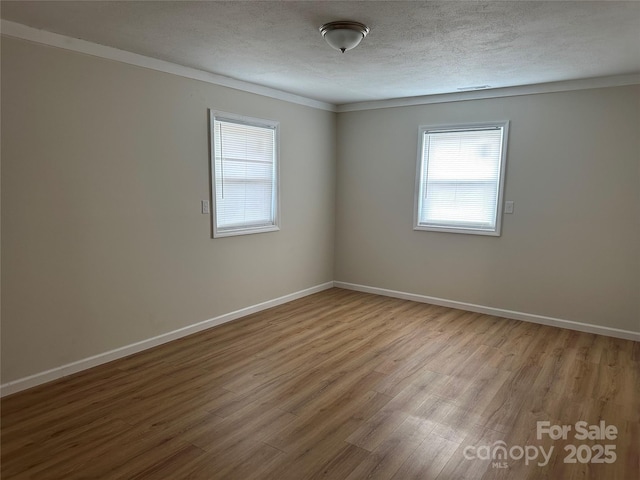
<point>245,175</point>
<point>460,178</point>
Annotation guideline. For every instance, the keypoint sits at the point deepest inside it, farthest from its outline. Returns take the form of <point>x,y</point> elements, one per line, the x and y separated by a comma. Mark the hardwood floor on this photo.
<point>337,385</point>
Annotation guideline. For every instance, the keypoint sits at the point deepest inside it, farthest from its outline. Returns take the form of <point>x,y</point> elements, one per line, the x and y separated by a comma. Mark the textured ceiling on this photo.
<point>414,48</point>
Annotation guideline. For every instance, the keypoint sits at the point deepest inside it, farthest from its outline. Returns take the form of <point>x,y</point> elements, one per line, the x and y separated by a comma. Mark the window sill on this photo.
<point>468,231</point>
<point>245,231</point>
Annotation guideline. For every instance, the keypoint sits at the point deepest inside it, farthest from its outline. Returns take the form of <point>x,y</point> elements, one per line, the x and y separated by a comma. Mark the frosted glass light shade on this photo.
<point>344,35</point>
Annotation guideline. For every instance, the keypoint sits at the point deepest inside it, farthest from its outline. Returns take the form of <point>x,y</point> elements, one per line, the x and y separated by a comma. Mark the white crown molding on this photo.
<point>498,312</point>
<point>17,30</point>
<point>23,32</point>
<point>74,367</point>
<point>551,87</point>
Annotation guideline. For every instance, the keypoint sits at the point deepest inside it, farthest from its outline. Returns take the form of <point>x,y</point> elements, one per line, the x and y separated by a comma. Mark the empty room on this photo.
<point>320,239</point>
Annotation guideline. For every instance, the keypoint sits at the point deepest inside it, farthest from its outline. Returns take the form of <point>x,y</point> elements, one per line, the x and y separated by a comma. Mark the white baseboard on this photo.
<point>499,312</point>
<point>74,367</point>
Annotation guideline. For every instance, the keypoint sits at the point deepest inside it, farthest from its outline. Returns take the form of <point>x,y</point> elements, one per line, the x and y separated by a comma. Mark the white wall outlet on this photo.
<point>508,207</point>
<point>205,207</point>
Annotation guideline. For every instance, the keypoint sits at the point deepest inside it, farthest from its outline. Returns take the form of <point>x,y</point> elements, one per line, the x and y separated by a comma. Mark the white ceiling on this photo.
<point>414,48</point>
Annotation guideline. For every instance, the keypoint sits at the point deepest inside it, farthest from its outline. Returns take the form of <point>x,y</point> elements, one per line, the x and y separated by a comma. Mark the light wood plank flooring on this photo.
<point>337,385</point>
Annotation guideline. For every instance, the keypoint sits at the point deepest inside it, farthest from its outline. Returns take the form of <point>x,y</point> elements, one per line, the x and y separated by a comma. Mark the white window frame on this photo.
<point>275,205</point>
<point>418,196</point>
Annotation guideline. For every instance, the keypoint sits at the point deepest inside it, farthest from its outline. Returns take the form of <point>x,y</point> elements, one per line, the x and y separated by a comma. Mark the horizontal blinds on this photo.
<point>244,174</point>
<point>460,178</point>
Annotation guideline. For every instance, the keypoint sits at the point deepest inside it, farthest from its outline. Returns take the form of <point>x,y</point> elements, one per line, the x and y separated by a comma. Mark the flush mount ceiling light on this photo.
<point>344,35</point>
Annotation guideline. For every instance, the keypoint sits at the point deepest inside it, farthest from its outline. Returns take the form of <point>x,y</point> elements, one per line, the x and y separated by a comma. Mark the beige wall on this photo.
<point>571,250</point>
<point>104,166</point>
<point>103,169</point>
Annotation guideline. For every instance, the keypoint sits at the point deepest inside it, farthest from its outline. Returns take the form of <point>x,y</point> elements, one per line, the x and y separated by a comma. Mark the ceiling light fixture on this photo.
<point>344,35</point>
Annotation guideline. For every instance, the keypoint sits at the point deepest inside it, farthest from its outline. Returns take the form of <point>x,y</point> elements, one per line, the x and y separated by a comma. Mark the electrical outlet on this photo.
<point>205,207</point>
<point>508,207</point>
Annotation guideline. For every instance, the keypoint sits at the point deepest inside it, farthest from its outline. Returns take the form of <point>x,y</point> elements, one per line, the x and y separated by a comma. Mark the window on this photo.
<point>244,154</point>
<point>460,178</point>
